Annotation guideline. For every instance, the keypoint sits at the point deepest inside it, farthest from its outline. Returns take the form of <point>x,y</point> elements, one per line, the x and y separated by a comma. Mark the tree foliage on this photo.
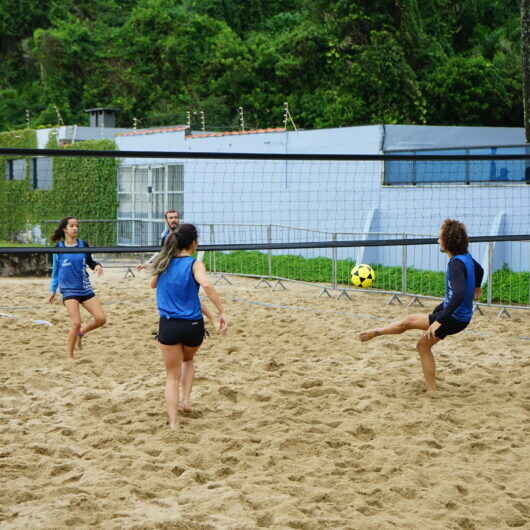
<point>337,62</point>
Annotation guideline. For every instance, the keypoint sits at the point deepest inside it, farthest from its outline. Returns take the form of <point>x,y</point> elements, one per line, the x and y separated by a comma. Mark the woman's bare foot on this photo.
<point>184,407</point>
<point>368,335</point>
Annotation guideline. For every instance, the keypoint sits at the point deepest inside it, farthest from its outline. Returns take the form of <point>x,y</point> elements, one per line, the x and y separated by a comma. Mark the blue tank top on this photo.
<point>464,311</point>
<point>177,291</point>
<point>70,274</point>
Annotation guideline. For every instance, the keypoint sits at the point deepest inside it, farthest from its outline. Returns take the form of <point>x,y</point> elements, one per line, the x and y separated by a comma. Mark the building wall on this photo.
<point>75,133</point>
<point>347,198</point>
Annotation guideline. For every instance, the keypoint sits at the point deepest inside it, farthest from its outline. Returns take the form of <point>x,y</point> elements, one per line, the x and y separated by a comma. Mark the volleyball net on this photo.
<point>305,218</point>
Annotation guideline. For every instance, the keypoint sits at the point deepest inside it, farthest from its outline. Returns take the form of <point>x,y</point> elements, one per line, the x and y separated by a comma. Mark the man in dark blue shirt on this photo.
<point>462,285</point>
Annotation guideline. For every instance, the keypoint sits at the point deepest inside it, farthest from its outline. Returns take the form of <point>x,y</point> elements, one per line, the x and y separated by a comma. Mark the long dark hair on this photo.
<point>180,239</point>
<point>58,234</point>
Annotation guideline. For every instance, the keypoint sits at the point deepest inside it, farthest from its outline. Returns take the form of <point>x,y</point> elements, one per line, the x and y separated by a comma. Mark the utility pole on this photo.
<point>525,54</point>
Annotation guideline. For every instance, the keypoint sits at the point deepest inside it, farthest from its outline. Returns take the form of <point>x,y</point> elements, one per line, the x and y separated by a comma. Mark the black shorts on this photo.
<point>80,299</point>
<point>173,331</point>
<point>450,326</point>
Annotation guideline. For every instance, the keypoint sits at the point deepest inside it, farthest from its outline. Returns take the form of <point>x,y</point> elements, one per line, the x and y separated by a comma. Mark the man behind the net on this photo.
<point>172,218</point>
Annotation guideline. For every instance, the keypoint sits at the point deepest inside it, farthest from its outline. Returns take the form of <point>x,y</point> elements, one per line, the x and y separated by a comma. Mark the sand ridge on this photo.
<point>295,425</point>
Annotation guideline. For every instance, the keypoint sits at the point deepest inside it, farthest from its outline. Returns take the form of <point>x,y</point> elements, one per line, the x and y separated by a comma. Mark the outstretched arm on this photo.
<point>142,266</point>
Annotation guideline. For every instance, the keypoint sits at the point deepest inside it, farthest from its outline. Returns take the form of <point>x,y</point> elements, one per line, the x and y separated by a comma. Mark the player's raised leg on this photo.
<point>93,306</point>
<point>416,321</point>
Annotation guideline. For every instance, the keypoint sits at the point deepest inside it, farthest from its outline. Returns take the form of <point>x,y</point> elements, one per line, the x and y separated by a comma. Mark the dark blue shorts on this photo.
<point>173,331</point>
<point>450,326</point>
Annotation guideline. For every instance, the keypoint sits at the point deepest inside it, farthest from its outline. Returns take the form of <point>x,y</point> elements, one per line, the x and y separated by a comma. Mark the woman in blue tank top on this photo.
<point>177,277</point>
<point>70,276</point>
<point>462,285</point>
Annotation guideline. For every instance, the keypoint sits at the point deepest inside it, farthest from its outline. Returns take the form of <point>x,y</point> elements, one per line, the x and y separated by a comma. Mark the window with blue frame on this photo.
<point>418,172</point>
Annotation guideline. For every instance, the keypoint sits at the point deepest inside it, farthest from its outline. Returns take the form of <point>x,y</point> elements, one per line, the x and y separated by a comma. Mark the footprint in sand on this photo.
<point>228,393</point>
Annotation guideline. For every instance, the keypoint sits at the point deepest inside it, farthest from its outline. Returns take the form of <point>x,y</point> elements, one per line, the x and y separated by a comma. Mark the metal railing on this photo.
<point>412,271</point>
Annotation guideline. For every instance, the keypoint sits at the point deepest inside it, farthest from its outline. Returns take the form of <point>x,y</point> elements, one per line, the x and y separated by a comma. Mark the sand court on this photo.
<point>296,424</point>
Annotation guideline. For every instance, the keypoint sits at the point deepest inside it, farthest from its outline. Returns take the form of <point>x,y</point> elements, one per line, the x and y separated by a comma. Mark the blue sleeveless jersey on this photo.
<point>464,311</point>
<point>177,291</point>
<point>69,273</point>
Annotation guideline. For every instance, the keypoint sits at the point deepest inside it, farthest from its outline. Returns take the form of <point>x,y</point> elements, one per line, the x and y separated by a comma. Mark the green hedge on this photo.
<point>12,193</point>
<point>82,187</point>
<point>508,287</point>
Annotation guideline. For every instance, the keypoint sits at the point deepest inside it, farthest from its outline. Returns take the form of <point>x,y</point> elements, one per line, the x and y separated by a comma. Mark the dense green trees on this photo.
<point>337,62</point>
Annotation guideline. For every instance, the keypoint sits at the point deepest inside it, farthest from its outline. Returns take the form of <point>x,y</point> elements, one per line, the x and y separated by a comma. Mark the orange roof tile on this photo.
<point>154,131</point>
<point>231,133</point>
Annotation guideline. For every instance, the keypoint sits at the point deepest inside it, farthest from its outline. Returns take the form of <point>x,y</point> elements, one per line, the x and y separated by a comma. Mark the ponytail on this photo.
<point>182,239</point>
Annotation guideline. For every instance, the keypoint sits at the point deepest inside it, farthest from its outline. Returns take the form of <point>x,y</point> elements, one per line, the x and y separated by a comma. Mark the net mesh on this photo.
<point>258,202</point>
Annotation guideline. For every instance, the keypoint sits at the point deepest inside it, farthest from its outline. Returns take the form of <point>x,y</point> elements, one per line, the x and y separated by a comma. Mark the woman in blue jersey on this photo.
<point>70,276</point>
<point>177,276</point>
<point>462,285</point>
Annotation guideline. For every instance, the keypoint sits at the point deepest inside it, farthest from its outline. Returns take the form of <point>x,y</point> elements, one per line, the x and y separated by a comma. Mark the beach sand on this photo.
<point>296,424</point>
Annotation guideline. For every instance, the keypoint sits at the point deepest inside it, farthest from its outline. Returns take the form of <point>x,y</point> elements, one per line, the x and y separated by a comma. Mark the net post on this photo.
<point>490,272</point>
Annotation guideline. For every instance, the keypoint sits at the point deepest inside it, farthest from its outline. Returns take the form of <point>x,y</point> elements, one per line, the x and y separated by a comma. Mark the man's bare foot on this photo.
<point>365,336</point>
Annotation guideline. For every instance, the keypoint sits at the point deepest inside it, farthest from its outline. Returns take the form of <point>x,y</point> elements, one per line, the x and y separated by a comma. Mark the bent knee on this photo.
<point>101,321</point>
<point>423,345</point>
<point>76,325</point>
<point>410,322</point>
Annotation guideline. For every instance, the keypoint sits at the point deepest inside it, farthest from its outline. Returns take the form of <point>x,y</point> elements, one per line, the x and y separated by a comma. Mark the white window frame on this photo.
<point>148,194</point>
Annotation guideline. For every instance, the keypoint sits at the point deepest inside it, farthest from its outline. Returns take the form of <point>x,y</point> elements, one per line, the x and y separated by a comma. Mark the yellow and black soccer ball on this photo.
<point>362,276</point>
